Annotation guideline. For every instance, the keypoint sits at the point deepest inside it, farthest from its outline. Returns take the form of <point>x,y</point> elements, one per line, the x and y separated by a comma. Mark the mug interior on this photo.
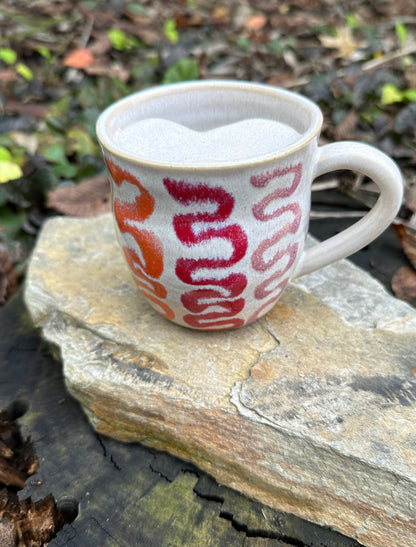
<point>206,105</point>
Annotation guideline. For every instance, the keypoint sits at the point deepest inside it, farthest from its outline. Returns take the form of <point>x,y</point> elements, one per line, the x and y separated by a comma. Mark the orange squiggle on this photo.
<point>147,269</point>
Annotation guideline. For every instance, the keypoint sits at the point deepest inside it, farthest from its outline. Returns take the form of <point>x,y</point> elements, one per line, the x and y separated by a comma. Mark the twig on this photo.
<point>325,185</point>
<point>357,182</point>
<point>375,63</point>
<point>297,82</point>
<point>86,33</point>
<point>335,214</point>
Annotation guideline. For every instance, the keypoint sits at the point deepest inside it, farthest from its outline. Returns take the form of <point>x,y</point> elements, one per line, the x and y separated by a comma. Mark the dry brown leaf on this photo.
<point>79,58</point>
<point>7,76</point>
<point>220,12</point>
<point>27,109</point>
<point>344,42</point>
<point>101,45</point>
<point>186,20</point>
<point>279,78</point>
<point>148,36</point>
<point>347,128</point>
<point>9,280</point>
<point>403,284</point>
<point>407,239</point>
<point>86,199</point>
<point>114,70</point>
<point>410,200</point>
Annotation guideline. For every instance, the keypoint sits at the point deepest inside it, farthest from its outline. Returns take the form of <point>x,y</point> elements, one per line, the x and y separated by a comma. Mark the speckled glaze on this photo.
<point>213,241</point>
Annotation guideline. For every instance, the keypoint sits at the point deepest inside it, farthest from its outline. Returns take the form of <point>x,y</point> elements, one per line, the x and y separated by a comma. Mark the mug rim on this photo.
<point>108,144</point>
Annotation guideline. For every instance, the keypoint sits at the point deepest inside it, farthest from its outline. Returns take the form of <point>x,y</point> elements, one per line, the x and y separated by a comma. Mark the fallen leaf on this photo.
<point>86,199</point>
<point>347,128</point>
<point>114,70</point>
<point>186,20</point>
<point>7,76</point>
<point>410,199</point>
<point>147,35</point>
<point>25,140</point>
<point>255,22</point>
<point>344,42</point>
<point>9,280</point>
<point>101,45</point>
<point>220,12</point>
<point>79,58</point>
<point>27,109</point>
<point>280,78</point>
<point>9,170</point>
<point>407,239</point>
<point>403,284</point>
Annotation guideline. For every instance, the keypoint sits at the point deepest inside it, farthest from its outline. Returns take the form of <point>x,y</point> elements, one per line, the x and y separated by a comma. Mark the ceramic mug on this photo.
<point>211,184</point>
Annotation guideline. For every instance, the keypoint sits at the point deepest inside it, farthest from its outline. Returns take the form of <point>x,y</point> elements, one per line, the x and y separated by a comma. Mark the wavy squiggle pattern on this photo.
<point>149,267</point>
<point>284,257</point>
<point>191,270</point>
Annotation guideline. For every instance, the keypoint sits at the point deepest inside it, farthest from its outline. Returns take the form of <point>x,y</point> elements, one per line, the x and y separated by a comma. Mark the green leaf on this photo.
<point>24,71</point>
<point>410,94</point>
<point>118,38</point>
<point>8,55</point>
<point>401,32</point>
<point>352,21</point>
<point>11,220</point>
<point>5,154</point>
<point>391,94</point>
<point>9,171</point>
<point>30,189</point>
<point>170,30</point>
<point>183,70</point>
<point>55,153</point>
<point>122,41</point>
<point>134,8</point>
<point>81,142</point>
<point>65,170</point>
<point>45,52</point>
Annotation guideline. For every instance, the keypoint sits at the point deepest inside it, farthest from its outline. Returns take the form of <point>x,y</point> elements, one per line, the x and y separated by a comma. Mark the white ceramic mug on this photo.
<point>211,186</point>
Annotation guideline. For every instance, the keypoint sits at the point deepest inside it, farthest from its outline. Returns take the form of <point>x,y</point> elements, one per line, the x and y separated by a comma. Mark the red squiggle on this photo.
<point>214,320</point>
<point>187,269</point>
<point>149,267</point>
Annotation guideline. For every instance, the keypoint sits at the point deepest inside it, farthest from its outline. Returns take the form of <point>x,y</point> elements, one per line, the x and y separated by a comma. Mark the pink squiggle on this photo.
<point>262,291</point>
<point>258,260</point>
<point>280,288</point>
<point>262,180</point>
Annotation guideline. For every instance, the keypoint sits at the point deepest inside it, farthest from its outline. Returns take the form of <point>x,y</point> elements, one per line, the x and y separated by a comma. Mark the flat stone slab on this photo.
<point>311,410</point>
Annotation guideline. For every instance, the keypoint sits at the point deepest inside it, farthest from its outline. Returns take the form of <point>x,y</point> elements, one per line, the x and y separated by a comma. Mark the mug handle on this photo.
<point>374,164</point>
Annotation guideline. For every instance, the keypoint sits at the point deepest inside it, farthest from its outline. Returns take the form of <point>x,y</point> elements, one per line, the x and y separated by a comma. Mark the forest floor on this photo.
<point>62,63</point>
